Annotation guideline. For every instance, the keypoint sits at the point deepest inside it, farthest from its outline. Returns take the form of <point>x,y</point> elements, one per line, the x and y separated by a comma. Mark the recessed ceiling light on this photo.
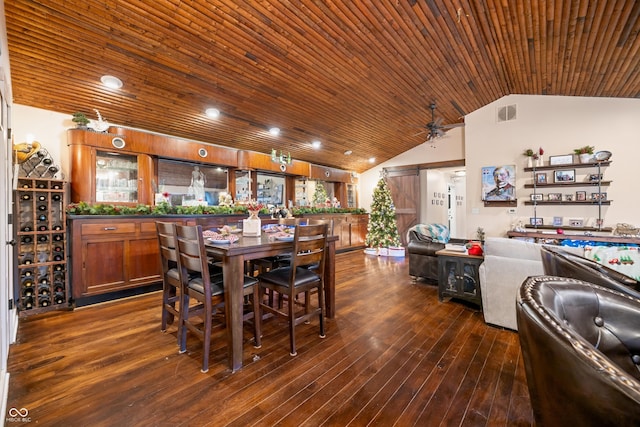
<point>348,153</point>
<point>316,144</point>
<point>372,159</point>
<point>274,131</point>
<point>213,113</point>
<point>111,82</point>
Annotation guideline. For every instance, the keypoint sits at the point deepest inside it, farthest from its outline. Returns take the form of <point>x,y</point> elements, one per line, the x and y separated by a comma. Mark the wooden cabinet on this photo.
<point>112,254</point>
<point>42,280</point>
<point>351,229</point>
<point>458,276</point>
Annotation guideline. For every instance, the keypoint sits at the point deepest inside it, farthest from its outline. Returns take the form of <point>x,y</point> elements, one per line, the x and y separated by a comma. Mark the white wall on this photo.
<point>449,148</point>
<point>46,127</point>
<point>558,124</point>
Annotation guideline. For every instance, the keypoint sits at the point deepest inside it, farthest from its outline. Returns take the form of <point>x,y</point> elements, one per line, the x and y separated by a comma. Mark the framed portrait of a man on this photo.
<point>498,182</point>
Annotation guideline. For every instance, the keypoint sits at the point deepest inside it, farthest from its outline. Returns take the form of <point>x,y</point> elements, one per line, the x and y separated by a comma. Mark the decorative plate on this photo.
<point>602,155</point>
<point>285,238</point>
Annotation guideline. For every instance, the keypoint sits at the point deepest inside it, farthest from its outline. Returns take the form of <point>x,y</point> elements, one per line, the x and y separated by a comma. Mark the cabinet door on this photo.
<point>116,177</point>
<point>102,273</point>
<point>470,279</point>
<point>143,261</point>
<point>450,275</point>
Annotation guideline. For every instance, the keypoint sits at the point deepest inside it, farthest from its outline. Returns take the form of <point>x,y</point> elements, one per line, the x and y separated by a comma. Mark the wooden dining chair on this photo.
<point>309,247</point>
<point>199,284</point>
<point>166,232</point>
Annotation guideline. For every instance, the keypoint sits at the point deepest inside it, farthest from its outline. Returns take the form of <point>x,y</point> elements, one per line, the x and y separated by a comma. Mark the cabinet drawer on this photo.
<point>107,228</point>
<point>150,227</point>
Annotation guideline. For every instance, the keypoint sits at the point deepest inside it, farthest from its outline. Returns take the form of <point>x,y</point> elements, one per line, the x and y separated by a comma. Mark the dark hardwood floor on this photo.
<point>393,355</point>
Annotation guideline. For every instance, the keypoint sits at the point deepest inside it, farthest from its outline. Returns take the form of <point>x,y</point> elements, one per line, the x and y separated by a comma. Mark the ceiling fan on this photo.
<point>435,129</point>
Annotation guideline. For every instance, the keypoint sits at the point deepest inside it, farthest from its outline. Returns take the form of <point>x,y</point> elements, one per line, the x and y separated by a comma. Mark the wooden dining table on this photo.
<point>233,257</point>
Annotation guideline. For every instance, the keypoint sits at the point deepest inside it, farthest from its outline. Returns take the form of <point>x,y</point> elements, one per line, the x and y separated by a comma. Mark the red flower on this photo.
<point>540,151</point>
<point>165,194</point>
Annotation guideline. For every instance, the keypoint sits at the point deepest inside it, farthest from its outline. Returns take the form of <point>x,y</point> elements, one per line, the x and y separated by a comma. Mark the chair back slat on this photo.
<point>192,256</point>
<point>309,245</point>
<point>166,232</point>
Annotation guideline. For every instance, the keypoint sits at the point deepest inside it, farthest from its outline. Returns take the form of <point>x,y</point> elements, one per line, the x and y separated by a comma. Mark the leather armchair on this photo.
<point>423,261</point>
<point>581,350</point>
<point>558,262</point>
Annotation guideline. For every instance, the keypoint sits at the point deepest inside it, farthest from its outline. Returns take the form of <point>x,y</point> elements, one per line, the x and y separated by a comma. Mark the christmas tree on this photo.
<point>319,195</point>
<point>382,231</point>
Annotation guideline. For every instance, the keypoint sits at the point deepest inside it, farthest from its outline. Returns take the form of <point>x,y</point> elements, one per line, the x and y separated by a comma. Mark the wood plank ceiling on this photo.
<point>356,75</point>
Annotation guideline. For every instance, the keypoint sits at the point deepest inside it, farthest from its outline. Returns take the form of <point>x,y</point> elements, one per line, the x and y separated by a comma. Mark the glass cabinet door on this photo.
<point>116,178</point>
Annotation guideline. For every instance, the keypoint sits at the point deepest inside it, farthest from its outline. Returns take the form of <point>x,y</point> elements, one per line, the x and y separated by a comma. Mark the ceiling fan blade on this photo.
<point>420,133</point>
<point>453,125</point>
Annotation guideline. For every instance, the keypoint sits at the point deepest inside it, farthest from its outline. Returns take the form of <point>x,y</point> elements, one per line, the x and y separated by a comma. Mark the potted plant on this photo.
<point>584,153</point>
<point>80,119</point>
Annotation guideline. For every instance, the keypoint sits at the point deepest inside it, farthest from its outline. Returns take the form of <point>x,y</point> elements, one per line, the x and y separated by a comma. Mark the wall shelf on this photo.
<point>568,166</point>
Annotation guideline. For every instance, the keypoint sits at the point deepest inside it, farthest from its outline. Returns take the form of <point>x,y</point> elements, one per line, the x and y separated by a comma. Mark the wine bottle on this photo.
<point>27,282</point>
<point>42,227</point>
<point>26,240</point>
<point>26,196</point>
<point>58,257</point>
<point>44,289</point>
<point>42,217</point>
<point>58,267</point>
<point>57,187</point>
<point>27,259</point>
<point>28,303</point>
<point>58,286</point>
<point>57,227</point>
<point>42,197</point>
<point>26,229</point>
<point>26,185</point>
<point>41,185</point>
<point>27,272</point>
<point>42,238</point>
<point>43,207</point>
<point>57,237</point>
<point>58,298</point>
<point>56,197</point>
<point>44,300</point>
<point>27,292</point>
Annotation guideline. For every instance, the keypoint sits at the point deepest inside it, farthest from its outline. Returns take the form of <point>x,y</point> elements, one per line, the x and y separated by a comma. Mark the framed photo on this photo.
<point>567,159</point>
<point>581,196</point>
<point>541,177</point>
<point>557,221</point>
<point>535,221</point>
<point>536,197</point>
<point>554,197</point>
<point>564,175</point>
<point>576,222</point>
<point>599,196</point>
<point>595,177</point>
<point>498,182</point>
<point>568,197</point>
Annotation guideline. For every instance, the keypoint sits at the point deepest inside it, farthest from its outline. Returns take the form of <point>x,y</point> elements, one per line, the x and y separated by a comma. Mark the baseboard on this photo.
<point>4,395</point>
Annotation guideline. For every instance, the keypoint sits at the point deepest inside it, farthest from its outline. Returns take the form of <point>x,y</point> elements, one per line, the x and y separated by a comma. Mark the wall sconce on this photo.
<point>283,159</point>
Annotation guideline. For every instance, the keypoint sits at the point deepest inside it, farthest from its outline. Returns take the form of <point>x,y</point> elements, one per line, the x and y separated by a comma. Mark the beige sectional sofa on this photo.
<point>507,263</point>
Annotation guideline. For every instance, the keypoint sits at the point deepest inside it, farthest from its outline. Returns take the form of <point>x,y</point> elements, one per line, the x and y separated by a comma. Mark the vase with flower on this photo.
<point>585,153</point>
<point>252,226</point>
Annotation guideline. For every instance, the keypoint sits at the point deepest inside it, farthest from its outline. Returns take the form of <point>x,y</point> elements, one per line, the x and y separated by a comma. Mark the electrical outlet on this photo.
<point>511,211</point>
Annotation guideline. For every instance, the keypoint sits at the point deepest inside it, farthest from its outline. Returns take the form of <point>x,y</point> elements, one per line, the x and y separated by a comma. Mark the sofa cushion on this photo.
<point>512,248</point>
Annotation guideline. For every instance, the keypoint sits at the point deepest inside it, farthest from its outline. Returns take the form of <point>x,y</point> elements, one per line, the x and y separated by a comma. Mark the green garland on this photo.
<point>164,208</point>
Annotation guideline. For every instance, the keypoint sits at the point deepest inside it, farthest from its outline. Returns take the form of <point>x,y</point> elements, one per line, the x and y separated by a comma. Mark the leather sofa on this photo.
<point>423,261</point>
<point>581,352</point>
<point>559,262</point>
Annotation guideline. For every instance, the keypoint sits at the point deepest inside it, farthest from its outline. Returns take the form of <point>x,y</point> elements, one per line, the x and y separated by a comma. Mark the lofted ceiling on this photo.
<point>356,75</point>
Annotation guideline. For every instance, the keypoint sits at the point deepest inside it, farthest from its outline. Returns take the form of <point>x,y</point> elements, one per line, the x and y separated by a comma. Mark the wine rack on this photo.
<point>43,274</point>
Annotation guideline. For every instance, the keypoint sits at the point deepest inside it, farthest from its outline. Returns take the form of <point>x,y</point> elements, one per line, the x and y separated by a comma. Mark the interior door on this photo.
<point>405,192</point>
